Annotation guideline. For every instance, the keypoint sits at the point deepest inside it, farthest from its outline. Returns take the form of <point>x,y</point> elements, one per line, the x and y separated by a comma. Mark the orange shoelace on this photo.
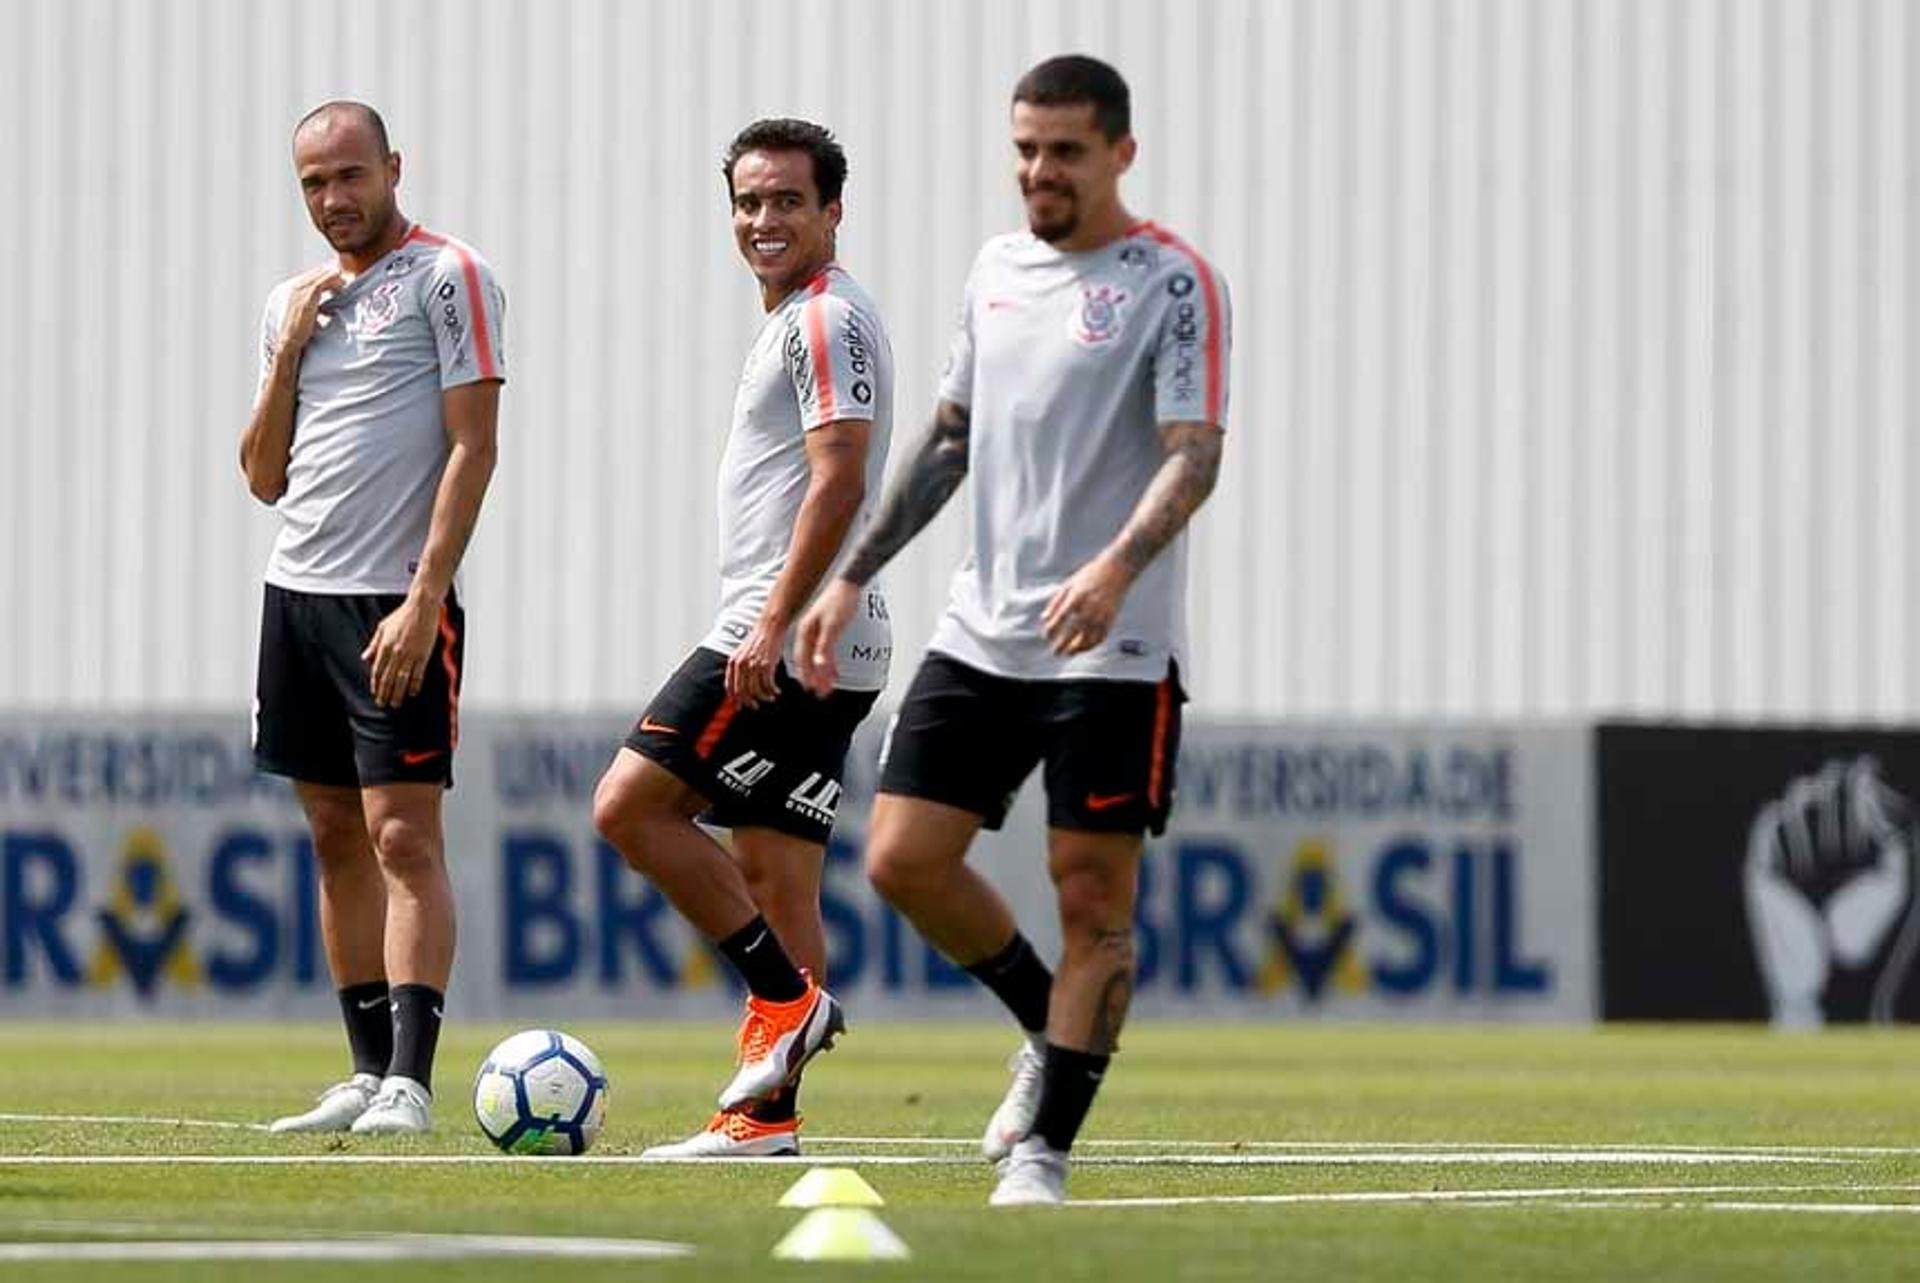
<point>757,1035</point>
<point>741,1127</point>
<point>762,1026</point>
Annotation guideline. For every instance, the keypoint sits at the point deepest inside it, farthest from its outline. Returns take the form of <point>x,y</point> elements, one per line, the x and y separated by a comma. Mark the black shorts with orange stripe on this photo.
<point>314,715</point>
<point>776,766</point>
<point>969,738</point>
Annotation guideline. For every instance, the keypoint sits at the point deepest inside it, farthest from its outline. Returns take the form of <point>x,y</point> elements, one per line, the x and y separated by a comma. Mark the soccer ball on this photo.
<point>541,1092</point>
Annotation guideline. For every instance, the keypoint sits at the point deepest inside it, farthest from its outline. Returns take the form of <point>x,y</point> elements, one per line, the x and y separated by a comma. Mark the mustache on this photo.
<point>1056,188</point>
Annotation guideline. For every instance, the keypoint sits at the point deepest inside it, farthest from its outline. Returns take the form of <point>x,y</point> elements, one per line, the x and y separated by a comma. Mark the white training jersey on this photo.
<point>369,439</point>
<point>1069,363</point>
<point>821,356</point>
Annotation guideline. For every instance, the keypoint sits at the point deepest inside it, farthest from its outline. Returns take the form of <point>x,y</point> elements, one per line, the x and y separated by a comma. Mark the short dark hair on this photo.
<point>783,133</point>
<point>1076,78</point>
<point>366,113</point>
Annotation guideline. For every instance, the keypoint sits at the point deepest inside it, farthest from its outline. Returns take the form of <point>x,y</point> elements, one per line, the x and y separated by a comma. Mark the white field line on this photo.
<point>1500,1197</point>
<point>1505,1158</point>
<point>1438,1148</point>
<point>386,1247</point>
<point>132,1120</point>
<point>1853,1209</point>
<point>1671,1205</point>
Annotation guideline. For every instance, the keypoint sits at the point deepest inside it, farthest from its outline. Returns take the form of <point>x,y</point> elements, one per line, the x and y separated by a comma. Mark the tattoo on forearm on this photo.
<point>1183,483</point>
<point>921,491</point>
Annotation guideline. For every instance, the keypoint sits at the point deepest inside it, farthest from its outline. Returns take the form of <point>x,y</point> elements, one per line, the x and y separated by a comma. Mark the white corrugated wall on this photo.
<point>1574,354</point>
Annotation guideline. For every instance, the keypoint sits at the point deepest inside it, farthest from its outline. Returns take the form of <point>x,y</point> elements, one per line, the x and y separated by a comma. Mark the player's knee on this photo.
<point>339,839</point>
<point>619,814</point>
<point>895,875</point>
<point>406,848</point>
<point>1096,907</point>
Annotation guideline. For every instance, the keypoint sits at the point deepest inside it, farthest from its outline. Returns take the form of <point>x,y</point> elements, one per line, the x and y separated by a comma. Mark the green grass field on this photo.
<point>1653,1153</point>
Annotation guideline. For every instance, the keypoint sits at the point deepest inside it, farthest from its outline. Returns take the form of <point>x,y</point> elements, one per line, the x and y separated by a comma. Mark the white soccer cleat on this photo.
<point>1033,1175</point>
<point>735,1136</point>
<point>777,1039</point>
<point>336,1110</point>
<point>402,1107</point>
<point>1014,1118</point>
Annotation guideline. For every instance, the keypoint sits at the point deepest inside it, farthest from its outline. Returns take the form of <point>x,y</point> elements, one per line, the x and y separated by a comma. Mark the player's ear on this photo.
<point>1126,148</point>
<point>833,212</point>
<point>393,169</point>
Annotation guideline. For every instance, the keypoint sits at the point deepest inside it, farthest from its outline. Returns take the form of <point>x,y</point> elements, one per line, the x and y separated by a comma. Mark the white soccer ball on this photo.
<point>541,1092</point>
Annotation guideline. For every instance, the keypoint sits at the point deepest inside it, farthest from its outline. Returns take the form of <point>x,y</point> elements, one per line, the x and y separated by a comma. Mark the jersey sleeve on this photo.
<point>1196,336</point>
<point>830,358</point>
<point>466,308</point>
<point>956,384</point>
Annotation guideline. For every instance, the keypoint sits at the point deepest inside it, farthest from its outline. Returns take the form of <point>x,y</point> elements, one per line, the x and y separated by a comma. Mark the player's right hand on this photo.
<point>310,290</point>
<point>819,635</point>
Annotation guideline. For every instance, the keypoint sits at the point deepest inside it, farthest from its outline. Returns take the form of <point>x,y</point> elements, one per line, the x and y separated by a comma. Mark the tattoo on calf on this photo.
<point>1116,994</point>
<point>1111,1012</point>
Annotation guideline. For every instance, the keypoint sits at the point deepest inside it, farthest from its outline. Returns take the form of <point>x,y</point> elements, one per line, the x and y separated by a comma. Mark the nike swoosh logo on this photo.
<point>436,1013</point>
<point>415,759</point>
<point>371,1003</point>
<point>648,724</point>
<point>757,942</point>
<point>1107,801</point>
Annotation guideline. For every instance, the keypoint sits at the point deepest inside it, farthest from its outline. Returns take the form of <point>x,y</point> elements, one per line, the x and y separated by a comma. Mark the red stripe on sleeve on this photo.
<point>816,315</point>
<point>476,298</point>
<point>1210,292</point>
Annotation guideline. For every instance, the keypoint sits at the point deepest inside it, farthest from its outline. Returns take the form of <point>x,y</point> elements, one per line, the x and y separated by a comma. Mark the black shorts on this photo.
<point>969,738</point>
<point>314,716</point>
<point>777,766</point>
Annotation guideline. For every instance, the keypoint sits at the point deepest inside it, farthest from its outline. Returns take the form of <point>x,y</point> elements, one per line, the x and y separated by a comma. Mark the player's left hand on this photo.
<point>1079,614</point>
<point>752,671</point>
<point>398,654</point>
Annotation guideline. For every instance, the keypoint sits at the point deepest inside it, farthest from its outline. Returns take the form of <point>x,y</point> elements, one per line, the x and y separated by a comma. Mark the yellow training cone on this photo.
<point>841,1234</point>
<point>832,1187</point>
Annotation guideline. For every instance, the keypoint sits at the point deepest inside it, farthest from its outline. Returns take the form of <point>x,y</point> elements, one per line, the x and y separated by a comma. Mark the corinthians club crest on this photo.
<point>1099,319</point>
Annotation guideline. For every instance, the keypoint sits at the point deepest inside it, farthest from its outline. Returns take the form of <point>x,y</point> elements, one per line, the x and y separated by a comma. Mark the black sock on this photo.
<point>756,954</point>
<point>369,1026</point>
<point>1018,978</point>
<point>416,1032</point>
<point>781,1107</point>
<point>1066,1094</point>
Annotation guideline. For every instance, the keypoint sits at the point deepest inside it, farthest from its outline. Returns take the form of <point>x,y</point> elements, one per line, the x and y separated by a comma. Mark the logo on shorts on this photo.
<point>1099,320</point>
<point>817,798</point>
<point>745,771</point>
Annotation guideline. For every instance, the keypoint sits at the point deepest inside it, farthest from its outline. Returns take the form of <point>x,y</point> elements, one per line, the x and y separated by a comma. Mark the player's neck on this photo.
<point>772,296</point>
<point>1099,231</point>
<point>397,228</point>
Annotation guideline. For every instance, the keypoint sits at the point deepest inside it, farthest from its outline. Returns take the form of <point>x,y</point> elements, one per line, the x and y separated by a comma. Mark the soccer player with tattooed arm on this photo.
<point>1085,397</point>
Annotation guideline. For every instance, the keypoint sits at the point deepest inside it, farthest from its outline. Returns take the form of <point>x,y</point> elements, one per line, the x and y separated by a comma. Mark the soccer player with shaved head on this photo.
<point>373,436</point>
<point>1086,397</point>
<point>732,738</point>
